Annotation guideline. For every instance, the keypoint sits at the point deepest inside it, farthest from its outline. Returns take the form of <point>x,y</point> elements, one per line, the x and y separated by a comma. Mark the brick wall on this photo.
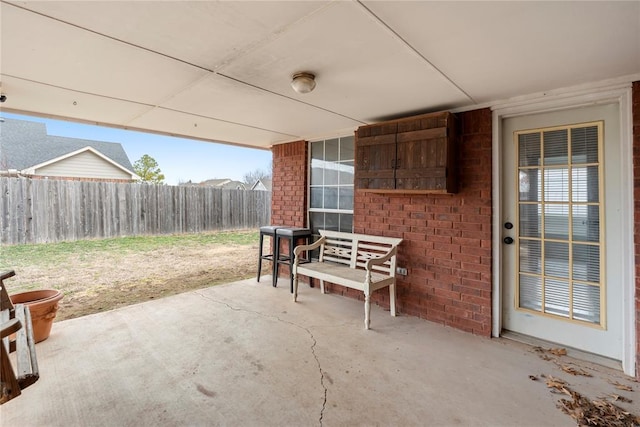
<point>447,238</point>
<point>289,184</point>
<point>289,189</point>
<point>636,197</point>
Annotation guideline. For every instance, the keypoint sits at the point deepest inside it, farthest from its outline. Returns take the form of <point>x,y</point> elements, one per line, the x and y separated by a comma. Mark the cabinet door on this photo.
<point>375,157</point>
<point>421,156</point>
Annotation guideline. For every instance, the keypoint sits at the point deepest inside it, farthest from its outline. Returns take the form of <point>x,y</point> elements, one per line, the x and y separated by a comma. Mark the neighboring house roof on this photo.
<point>224,183</point>
<point>262,184</point>
<point>26,147</point>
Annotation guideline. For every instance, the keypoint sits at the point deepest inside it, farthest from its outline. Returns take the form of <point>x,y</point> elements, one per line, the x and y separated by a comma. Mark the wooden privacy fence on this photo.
<point>44,210</point>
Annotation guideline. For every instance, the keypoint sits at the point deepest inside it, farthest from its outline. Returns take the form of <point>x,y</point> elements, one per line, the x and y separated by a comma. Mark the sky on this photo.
<point>179,159</point>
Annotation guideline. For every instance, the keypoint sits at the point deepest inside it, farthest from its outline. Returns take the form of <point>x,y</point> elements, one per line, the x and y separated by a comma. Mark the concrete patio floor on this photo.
<point>243,354</point>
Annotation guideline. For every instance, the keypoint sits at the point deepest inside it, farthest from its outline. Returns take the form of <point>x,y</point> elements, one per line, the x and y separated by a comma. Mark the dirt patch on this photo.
<point>99,282</point>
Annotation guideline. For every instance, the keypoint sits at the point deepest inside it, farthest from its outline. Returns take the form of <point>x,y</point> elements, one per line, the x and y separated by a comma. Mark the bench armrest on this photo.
<point>378,261</point>
<point>10,327</point>
<point>303,248</point>
<point>7,274</point>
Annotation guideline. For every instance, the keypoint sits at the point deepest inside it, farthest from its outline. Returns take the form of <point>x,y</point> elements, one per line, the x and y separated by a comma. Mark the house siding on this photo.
<point>83,165</point>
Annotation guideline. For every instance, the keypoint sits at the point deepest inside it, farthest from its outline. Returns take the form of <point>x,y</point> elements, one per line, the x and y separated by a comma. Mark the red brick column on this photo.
<point>289,188</point>
<point>289,184</point>
<point>636,197</point>
<point>447,238</point>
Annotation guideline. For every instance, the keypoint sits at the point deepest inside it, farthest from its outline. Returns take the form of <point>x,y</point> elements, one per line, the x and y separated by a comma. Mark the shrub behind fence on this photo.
<point>45,210</point>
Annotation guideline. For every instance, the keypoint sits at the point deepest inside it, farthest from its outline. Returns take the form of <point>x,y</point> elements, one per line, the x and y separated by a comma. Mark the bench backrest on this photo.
<point>354,250</point>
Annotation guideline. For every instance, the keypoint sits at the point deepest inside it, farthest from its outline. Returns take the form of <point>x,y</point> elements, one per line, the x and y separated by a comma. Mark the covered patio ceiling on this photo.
<point>221,71</point>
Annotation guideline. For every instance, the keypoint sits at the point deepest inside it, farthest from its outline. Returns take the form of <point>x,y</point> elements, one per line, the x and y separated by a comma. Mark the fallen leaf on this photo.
<point>557,385</point>
<point>596,412</point>
<point>619,386</point>
<point>558,351</point>
<point>533,378</point>
<point>617,397</point>
<point>574,371</point>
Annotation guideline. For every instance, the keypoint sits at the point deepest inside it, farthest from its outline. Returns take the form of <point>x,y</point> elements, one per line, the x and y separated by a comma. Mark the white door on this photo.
<point>562,210</point>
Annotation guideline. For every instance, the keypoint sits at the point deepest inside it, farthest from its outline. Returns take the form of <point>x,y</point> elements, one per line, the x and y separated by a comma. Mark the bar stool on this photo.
<point>267,230</point>
<point>293,235</point>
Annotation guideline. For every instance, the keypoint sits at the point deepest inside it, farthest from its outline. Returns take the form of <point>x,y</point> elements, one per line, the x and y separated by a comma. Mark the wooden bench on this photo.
<point>16,335</point>
<point>357,261</point>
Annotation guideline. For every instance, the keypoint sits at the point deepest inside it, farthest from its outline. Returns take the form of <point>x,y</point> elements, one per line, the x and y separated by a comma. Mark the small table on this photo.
<point>293,235</point>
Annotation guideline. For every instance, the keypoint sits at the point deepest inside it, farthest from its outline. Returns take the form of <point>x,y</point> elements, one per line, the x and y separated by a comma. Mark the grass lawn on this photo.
<point>98,275</point>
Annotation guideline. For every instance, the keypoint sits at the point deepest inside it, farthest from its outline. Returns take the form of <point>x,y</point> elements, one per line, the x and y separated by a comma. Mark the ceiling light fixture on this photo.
<point>303,82</point>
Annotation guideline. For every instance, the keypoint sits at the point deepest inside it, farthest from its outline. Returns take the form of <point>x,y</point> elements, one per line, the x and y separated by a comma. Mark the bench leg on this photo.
<point>367,310</point>
<point>295,287</point>
<point>392,299</point>
<point>9,387</point>
<point>322,287</point>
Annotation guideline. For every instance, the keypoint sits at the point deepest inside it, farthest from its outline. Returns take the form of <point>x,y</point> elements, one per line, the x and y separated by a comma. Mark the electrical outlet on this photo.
<point>401,271</point>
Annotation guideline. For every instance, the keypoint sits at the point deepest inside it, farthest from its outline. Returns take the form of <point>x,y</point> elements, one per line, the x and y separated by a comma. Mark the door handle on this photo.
<point>508,225</point>
<point>508,240</point>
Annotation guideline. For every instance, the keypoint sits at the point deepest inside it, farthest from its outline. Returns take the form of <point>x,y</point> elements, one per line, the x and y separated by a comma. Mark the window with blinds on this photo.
<point>331,185</point>
<point>560,252</point>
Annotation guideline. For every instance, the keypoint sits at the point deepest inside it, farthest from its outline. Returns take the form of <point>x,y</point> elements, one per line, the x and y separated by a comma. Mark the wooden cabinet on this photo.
<point>411,155</point>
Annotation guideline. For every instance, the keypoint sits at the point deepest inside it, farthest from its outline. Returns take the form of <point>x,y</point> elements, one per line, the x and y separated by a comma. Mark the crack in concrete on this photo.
<point>313,346</point>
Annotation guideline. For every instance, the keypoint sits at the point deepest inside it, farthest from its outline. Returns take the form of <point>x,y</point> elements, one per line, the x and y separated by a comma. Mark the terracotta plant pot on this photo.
<point>43,305</point>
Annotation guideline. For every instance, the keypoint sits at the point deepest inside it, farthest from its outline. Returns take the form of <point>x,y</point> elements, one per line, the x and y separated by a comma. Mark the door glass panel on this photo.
<point>556,185</point>
<point>529,149</point>
<point>556,222</point>
<point>559,211</point>
<point>530,256</point>
<point>584,145</point>
<point>556,147</point>
<point>586,223</point>
<point>530,220</point>
<point>556,259</point>
<point>586,302</point>
<point>556,297</point>
<point>530,292</point>
<point>586,262</point>
<point>530,186</point>
<point>585,186</point>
